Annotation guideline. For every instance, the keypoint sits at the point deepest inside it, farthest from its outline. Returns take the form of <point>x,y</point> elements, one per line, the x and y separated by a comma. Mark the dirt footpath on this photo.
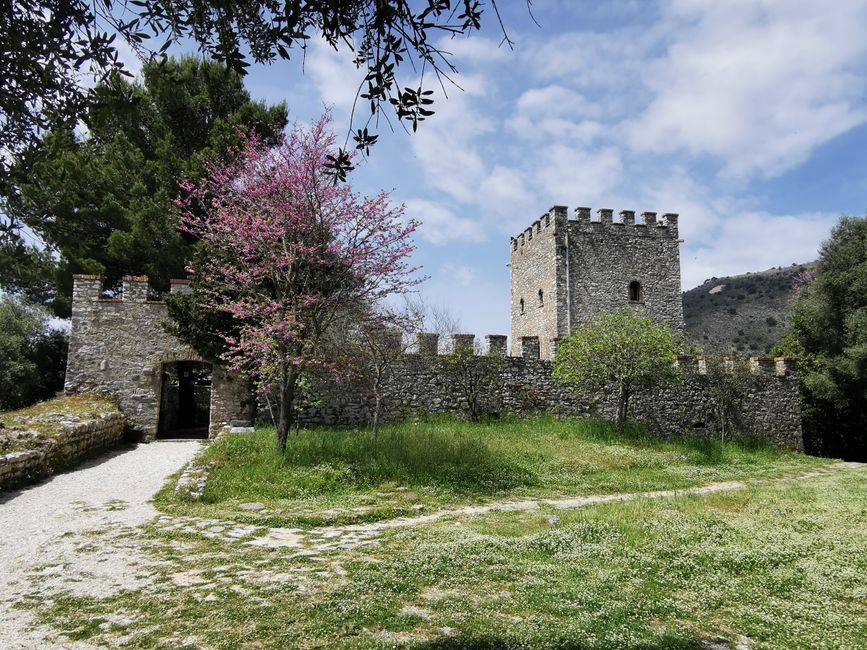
<point>45,531</point>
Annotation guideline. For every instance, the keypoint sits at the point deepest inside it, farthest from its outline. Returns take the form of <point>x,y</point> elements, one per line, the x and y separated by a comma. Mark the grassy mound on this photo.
<point>27,428</point>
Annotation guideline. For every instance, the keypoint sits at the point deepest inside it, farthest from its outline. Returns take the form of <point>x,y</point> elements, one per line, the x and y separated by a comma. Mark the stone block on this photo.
<point>463,343</point>
<point>428,343</point>
<point>496,344</point>
<point>530,347</point>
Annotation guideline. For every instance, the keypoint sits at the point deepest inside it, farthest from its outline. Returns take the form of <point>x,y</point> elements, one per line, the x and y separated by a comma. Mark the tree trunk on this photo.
<point>377,405</point>
<point>623,404</point>
<point>377,398</point>
<point>287,396</point>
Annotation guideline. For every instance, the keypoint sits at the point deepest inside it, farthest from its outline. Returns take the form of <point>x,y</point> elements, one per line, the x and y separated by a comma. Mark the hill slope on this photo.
<point>741,313</point>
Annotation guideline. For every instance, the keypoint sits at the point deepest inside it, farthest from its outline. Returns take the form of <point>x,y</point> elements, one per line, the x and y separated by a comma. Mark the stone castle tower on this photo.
<point>565,271</point>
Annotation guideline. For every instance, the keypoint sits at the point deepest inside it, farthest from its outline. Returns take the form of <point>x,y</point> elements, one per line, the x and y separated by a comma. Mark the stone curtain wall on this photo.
<point>118,347</point>
<point>422,384</point>
<point>586,266</point>
<point>73,442</point>
<point>418,386</point>
<point>771,406</point>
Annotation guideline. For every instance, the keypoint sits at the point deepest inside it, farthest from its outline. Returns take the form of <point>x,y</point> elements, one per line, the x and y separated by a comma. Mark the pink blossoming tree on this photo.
<point>289,255</point>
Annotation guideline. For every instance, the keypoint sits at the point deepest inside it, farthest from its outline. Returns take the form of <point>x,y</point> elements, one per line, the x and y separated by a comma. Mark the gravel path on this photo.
<point>45,531</point>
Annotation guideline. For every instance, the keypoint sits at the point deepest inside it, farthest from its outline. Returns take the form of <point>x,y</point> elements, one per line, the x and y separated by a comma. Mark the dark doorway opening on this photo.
<point>185,402</point>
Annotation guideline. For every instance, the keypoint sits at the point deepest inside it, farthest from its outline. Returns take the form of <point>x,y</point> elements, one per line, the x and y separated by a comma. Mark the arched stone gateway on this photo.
<point>120,347</point>
<point>185,399</point>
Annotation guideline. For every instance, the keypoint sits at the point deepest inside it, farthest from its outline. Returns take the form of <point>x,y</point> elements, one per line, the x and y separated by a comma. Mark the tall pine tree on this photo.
<point>103,202</point>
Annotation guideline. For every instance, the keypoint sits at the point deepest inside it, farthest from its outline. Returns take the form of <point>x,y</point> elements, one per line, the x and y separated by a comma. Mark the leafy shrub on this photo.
<point>32,356</point>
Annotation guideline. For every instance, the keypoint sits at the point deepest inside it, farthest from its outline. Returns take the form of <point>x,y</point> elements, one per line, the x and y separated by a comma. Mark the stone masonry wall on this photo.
<point>606,255</point>
<point>118,347</point>
<point>73,442</point>
<point>771,407</point>
<point>535,267</point>
<point>422,384</point>
<point>585,267</point>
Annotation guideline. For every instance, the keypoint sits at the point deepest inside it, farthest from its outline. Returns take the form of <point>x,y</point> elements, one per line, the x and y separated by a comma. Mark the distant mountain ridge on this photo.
<point>746,314</point>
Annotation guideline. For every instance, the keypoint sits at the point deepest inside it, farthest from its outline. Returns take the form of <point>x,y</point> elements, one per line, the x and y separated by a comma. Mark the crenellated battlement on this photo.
<point>427,344</point>
<point>761,366</point>
<point>646,223</point>
<point>134,289</point>
<point>539,226</point>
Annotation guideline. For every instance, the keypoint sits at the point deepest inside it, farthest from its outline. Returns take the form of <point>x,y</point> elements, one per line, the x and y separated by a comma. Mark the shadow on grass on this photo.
<point>491,642</point>
<point>431,456</point>
<point>703,449</point>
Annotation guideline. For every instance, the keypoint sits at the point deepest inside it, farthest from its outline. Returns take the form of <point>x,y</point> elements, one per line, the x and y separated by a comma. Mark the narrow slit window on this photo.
<point>522,305</point>
<point>635,292</point>
<point>541,297</point>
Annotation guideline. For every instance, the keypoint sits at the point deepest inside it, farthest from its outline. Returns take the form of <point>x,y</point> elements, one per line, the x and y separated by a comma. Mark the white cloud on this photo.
<point>755,241</point>
<point>334,74</point>
<point>459,274</point>
<point>606,60</point>
<point>439,225</point>
<point>474,49</point>
<point>444,145</point>
<point>556,112</point>
<point>757,85</point>
<point>504,192</point>
<point>701,211</point>
<point>566,174</point>
<point>555,100</point>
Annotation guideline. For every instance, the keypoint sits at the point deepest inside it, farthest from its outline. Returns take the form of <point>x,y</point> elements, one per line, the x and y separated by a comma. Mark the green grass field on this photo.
<point>776,562</point>
<point>341,475</point>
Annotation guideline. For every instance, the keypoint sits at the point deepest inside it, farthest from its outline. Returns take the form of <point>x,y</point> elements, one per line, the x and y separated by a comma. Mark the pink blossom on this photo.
<point>289,249</point>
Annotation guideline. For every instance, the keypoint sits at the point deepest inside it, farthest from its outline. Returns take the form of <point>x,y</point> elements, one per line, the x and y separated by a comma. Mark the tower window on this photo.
<point>522,305</point>
<point>636,293</point>
<point>541,297</point>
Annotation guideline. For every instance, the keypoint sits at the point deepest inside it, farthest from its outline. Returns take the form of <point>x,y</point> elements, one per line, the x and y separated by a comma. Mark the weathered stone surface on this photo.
<point>74,441</point>
<point>564,272</point>
<point>119,347</point>
<point>419,385</point>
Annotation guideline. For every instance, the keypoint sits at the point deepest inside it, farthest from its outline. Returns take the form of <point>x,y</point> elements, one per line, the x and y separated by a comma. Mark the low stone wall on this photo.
<point>770,408</point>
<point>50,453</point>
<point>424,384</point>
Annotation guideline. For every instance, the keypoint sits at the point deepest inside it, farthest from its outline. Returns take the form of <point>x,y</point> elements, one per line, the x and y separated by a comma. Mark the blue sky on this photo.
<point>747,118</point>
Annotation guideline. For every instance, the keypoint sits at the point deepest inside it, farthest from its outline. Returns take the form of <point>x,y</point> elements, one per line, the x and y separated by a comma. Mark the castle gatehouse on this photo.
<point>163,387</point>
